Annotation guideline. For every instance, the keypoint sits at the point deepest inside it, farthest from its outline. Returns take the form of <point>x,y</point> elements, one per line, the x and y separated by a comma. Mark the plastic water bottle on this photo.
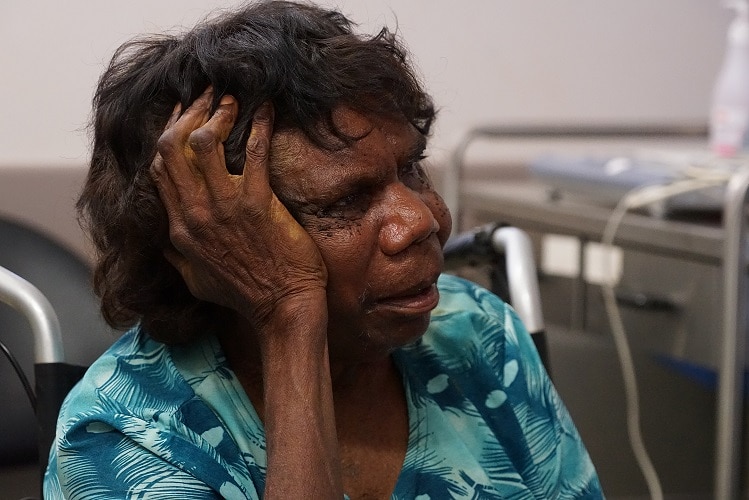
<point>729,115</point>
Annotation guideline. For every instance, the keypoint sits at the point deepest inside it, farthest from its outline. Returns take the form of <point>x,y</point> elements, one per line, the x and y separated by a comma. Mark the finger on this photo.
<point>177,160</point>
<point>206,144</point>
<point>176,259</point>
<point>168,192</point>
<point>165,186</point>
<point>194,117</point>
<point>256,176</point>
<point>157,165</point>
<point>171,143</point>
<point>183,267</point>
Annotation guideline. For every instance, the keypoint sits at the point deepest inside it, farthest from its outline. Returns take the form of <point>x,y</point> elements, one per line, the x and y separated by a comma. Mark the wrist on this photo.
<point>295,320</point>
<point>275,311</point>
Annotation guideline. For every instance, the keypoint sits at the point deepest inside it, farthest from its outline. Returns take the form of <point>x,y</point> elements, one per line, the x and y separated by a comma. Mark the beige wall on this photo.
<point>485,61</point>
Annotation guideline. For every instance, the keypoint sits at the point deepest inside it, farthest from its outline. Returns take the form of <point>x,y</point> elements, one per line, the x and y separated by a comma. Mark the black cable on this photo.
<point>21,374</point>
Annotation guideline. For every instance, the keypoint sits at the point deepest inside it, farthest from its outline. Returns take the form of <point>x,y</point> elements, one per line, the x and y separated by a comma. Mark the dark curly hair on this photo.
<point>303,58</point>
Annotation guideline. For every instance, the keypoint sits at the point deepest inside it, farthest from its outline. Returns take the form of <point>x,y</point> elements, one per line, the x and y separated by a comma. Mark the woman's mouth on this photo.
<point>418,301</point>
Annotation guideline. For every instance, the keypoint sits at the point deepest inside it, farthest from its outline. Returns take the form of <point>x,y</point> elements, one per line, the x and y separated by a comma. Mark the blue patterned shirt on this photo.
<point>156,421</point>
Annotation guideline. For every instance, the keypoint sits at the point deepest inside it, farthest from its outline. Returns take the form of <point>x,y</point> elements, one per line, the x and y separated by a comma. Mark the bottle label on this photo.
<point>727,130</point>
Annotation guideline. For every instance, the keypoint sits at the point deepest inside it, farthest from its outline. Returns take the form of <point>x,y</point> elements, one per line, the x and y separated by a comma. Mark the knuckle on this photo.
<point>257,148</point>
<point>202,141</point>
<point>180,237</point>
<point>197,221</point>
<point>166,144</point>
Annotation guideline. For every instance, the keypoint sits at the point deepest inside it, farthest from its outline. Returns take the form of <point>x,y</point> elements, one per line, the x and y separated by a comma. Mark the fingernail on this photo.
<point>225,100</point>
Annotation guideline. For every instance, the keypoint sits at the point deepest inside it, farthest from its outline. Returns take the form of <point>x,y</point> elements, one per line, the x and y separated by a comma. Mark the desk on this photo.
<point>528,205</point>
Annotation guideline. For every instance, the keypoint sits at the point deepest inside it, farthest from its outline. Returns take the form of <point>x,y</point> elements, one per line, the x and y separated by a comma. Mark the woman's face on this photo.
<point>378,223</point>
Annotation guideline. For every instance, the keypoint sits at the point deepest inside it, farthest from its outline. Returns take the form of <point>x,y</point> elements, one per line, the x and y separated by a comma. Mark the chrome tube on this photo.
<point>733,350</point>
<point>521,275</point>
<point>29,301</point>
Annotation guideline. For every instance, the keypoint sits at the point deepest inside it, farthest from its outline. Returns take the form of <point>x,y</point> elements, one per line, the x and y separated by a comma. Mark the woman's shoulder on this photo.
<point>134,349</point>
<point>135,417</point>
<point>473,327</point>
<point>136,372</point>
<point>460,294</point>
<point>467,312</point>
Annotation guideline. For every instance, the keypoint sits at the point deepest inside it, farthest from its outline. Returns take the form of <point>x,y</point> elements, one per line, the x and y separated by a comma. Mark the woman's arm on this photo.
<point>236,245</point>
<point>299,421</point>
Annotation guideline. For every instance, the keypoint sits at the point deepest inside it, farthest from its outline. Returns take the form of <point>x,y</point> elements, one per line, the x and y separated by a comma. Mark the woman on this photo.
<point>265,226</point>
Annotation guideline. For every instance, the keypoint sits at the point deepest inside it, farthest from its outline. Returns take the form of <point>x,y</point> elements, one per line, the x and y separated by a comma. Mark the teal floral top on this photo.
<point>156,421</point>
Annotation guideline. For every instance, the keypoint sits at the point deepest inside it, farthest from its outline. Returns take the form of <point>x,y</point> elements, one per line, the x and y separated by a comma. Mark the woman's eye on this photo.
<point>352,206</point>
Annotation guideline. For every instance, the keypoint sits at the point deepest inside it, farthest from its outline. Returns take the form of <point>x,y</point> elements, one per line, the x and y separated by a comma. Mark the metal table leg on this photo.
<point>733,352</point>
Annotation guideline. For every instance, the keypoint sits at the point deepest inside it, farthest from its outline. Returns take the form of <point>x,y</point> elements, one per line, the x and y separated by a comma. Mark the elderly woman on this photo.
<point>265,226</point>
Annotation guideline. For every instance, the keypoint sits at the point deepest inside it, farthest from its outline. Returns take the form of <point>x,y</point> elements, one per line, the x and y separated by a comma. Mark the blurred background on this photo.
<point>485,61</point>
<point>636,64</point>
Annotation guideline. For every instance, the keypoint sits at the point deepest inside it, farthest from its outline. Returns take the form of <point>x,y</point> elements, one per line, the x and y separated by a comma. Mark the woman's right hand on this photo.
<point>235,244</point>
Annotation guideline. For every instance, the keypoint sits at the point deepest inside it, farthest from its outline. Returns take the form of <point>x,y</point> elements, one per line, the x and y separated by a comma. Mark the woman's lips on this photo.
<point>419,302</point>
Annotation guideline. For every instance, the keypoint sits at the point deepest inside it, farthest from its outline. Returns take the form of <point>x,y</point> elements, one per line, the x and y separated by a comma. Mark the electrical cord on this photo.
<point>699,178</point>
<point>21,375</point>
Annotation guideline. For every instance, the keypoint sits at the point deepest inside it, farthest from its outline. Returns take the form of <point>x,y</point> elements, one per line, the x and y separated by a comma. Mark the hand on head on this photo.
<point>235,244</point>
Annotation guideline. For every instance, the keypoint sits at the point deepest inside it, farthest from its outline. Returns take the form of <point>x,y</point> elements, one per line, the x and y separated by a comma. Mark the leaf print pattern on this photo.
<point>153,421</point>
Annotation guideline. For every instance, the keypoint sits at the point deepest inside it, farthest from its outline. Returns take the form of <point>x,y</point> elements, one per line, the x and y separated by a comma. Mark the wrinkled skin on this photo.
<point>379,226</point>
<point>235,243</point>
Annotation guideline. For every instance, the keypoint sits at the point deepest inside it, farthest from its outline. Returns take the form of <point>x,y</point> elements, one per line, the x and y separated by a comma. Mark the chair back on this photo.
<point>64,280</point>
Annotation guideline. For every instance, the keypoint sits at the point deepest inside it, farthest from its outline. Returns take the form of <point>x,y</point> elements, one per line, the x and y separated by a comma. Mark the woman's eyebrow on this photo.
<point>358,181</point>
<point>344,183</point>
<point>350,183</point>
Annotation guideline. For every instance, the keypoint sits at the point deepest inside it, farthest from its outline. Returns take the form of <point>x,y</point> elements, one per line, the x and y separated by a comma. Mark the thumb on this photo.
<point>183,267</point>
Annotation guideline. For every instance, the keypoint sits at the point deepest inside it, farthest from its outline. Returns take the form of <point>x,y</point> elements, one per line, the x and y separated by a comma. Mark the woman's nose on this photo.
<point>407,220</point>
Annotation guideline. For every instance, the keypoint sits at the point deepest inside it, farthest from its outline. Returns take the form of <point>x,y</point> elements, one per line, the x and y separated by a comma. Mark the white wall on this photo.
<point>485,61</point>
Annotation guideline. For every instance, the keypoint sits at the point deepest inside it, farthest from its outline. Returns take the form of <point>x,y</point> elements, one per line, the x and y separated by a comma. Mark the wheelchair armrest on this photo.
<point>29,301</point>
